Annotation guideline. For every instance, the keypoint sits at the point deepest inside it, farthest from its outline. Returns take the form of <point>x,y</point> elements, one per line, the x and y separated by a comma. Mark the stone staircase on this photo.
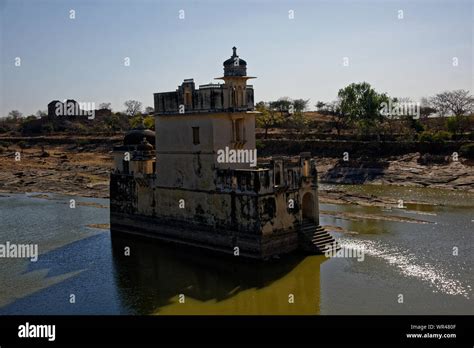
<point>315,239</point>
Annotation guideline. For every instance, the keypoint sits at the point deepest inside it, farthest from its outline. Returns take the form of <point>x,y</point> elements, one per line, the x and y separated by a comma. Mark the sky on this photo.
<point>299,56</point>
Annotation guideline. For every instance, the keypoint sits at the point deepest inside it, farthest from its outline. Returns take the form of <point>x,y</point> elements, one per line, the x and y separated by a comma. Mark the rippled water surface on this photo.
<point>422,254</point>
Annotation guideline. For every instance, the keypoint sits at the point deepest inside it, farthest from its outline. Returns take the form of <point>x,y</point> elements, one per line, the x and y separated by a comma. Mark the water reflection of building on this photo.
<point>151,279</point>
<point>181,192</point>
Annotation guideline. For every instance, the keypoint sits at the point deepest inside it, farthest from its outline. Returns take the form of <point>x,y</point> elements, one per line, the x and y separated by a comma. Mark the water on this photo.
<point>412,257</point>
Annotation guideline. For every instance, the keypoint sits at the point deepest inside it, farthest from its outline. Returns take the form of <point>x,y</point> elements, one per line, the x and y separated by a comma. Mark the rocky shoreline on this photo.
<point>64,169</point>
<point>406,170</point>
<point>84,171</point>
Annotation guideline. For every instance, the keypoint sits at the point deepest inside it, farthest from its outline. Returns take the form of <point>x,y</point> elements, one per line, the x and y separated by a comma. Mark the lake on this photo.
<point>416,260</point>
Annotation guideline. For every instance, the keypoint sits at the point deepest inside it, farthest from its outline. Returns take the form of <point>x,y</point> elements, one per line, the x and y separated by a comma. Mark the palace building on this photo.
<point>171,184</point>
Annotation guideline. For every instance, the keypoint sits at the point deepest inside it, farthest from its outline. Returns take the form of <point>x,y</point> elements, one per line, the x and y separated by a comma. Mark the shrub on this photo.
<point>47,128</point>
<point>149,122</point>
<point>82,142</point>
<point>426,136</point>
<point>438,137</point>
<point>467,150</point>
<point>417,125</point>
<point>22,145</point>
<point>452,124</point>
<point>442,136</point>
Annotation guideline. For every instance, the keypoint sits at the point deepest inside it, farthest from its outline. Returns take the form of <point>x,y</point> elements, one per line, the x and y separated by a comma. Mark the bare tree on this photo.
<point>458,102</point>
<point>14,115</point>
<point>107,106</point>
<point>149,110</point>
<point>133,107</point>
<point>41,113</point>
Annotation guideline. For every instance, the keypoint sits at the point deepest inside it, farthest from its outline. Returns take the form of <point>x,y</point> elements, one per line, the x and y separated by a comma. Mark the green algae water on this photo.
<point>423,252</point>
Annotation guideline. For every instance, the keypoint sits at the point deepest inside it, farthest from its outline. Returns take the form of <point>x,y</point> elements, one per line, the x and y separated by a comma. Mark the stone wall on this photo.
<point>335,148</point>
<point>208,98</point>
<point>261,225</point>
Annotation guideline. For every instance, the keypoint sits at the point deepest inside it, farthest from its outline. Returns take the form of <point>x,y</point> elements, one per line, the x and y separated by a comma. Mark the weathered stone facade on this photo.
<point>181,192</point>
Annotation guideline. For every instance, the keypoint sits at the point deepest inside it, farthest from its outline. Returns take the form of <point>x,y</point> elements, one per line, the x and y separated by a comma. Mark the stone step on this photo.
<point>323,241</point>
<point>320,234</point>
<point>326,242</point>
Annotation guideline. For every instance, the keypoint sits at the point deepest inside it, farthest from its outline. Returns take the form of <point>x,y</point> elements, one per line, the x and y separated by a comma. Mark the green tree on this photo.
<point>320,105</point>
<point>267,118</point>
<point>282,105</point>
<point>415,124</point>
<point>149,122</point>
<point>47,128</point>
<point>112,123</point>
<point>299,122</point>
<point>362,105</point>
<point>300,105</point>
<point>457,124</point>
<point>136,121</point>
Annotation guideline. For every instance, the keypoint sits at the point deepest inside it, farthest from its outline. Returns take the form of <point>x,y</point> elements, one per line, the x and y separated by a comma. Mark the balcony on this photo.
<point>277,174</point>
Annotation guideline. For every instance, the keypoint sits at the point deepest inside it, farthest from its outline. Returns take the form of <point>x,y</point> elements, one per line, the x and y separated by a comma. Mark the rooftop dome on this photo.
<point>235,66</point>
<point>135,136</point>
